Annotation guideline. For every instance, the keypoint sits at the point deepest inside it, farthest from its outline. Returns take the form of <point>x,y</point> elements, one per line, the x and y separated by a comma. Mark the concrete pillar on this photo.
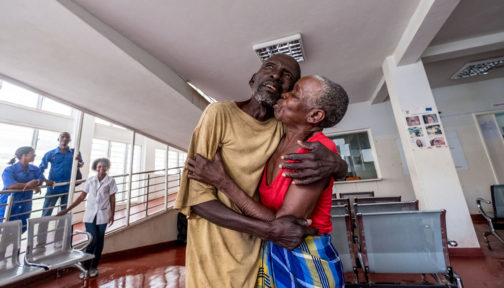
<point>432,171</point>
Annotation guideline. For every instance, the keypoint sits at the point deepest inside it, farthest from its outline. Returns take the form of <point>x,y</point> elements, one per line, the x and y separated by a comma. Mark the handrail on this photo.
<point>57,184</point>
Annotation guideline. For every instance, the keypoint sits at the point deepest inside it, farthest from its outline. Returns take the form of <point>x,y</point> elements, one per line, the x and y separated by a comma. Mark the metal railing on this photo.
<point>140,195</point>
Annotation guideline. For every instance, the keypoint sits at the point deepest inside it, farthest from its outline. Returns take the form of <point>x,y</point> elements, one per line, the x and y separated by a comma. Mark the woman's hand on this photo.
<point>208,171</point>
<point>111,220</point>
<point>32,185</point>
<point>49,182</point>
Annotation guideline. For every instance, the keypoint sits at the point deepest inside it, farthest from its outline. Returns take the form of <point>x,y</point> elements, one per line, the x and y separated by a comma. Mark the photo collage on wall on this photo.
<point>424,129</point>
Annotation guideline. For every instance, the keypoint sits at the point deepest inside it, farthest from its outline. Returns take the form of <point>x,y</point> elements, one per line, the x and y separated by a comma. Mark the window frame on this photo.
<point>330,135</point>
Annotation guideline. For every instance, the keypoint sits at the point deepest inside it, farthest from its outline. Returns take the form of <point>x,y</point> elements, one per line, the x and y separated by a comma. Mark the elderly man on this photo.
<point>223,245</point>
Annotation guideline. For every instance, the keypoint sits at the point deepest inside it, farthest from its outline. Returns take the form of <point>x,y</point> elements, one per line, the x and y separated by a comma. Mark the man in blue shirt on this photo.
<point>61,160</point>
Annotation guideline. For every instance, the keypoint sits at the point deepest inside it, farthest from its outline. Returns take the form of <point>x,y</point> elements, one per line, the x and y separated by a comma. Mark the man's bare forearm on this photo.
<point>286,231</point>
<point>217,213</point>
<point>245,203</point>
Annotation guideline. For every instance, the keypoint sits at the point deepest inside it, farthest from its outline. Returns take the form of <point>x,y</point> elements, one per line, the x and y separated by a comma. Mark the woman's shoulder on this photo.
<point>9,169</point>
<point>324,140</point>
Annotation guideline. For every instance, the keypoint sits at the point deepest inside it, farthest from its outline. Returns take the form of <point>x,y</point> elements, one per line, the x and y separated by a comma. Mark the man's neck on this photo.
<point>63,148</point>
<point>255,109</point>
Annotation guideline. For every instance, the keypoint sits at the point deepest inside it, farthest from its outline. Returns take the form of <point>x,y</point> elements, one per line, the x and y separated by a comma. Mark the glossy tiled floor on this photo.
<point>164,269</point>
<point>159,269</point>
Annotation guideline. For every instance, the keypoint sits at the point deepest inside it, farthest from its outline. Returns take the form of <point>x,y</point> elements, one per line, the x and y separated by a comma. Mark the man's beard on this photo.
<point>266,99</point>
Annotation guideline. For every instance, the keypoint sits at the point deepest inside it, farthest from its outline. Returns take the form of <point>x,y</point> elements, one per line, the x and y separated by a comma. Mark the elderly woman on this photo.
<point>25,178</point>
<point>314,103</point>
<point>100,210</point>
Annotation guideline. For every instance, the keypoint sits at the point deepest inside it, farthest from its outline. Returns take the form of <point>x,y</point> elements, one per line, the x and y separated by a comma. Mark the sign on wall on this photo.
<point>424,129</point>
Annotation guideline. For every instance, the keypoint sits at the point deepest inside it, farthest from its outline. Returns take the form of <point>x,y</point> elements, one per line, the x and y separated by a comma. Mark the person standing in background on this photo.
<point>61,159</point>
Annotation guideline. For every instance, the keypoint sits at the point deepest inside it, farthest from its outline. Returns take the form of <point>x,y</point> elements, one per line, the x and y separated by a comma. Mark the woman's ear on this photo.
<point>315,116</point>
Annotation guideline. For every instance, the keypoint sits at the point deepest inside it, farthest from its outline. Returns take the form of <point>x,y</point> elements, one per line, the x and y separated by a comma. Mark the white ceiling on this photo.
<point>472,18</point>
<point>45,46</point>
<point>470,24</point>
<point>127,61</point>
<point>210,42</point>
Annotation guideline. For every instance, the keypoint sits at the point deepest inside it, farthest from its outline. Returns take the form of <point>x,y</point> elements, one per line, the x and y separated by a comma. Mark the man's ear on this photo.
<point>315,116</point>
<point>252,80</point>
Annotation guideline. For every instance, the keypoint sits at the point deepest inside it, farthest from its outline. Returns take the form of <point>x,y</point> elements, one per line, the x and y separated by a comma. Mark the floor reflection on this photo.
<point>160,269</point>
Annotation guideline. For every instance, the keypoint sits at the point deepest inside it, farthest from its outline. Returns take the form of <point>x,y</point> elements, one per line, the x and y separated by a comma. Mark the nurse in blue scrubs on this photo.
<point>23,176</point>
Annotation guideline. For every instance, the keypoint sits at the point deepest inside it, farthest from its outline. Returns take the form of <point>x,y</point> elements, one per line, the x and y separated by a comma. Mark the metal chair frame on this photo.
<point>44,262</point>
<point>452,279</point>
<point>18,272</point>
<point>495,222</point>
<point>365,200</point>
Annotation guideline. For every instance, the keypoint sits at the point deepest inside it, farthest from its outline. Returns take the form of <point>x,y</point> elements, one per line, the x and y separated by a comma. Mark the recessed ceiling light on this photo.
<point>477,68</point>
<point>290,45</point>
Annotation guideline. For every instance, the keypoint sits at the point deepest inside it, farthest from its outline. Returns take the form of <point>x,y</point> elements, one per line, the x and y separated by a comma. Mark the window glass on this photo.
<point>160,160</point>
<point>182,158</point>
<point>46,141</point>
<point>356,150</point>
<point>117,158</point>
<point>12,137</point>
<point>56,107</point>
<point>137,156</point>
<point>14,94</point>
<point>500,121</point>
<point>173,158</point>
<point>99,149</point>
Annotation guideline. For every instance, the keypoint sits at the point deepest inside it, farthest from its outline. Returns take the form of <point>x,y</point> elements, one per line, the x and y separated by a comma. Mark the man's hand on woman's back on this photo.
<point>316,165</point>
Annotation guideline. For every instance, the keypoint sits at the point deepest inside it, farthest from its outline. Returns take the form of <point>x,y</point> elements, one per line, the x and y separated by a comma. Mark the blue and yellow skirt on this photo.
<point>315,263</point>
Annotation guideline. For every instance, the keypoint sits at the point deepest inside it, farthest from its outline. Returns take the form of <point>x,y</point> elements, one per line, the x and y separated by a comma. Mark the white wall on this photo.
<point>380,120</point>
<point>457,105</point>
<point>158,229</point>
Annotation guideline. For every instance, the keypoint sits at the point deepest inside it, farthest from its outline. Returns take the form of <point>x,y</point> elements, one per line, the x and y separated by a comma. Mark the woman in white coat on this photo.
<point>100,210</point>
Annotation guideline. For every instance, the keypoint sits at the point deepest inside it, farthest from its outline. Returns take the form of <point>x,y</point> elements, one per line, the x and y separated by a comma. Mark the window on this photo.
<point>500,121</point>
<point>107,123</point>
<point>12,137</point>
<point>356,149</point>
<point>159,160</point>
<point>17,95</point>
<point>137,156</point>
<point>46,141</point>
<point>56,107</point>
<point>117,158</point>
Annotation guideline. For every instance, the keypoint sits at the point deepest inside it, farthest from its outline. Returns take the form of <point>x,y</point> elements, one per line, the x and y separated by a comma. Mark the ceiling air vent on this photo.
<point>290,45</point>
<point>478,68</point>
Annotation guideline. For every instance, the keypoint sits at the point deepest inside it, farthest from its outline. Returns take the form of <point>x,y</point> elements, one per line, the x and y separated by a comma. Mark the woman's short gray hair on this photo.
<point>333,99</point>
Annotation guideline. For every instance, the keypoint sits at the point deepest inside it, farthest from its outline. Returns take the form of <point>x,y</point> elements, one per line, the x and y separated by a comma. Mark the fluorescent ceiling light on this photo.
<point>290,45</point>
<point>478,68</point>
<point>208,98</point>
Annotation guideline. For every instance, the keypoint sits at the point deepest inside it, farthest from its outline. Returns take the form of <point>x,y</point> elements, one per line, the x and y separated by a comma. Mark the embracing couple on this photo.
<point>257,186</point>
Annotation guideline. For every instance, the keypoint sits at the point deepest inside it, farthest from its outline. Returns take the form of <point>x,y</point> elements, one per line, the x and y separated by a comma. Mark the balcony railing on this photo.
<point>140,195</point>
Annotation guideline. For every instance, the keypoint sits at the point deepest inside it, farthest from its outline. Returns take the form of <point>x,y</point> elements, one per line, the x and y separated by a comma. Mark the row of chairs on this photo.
<point>392,237</point>
<point>45,249</point>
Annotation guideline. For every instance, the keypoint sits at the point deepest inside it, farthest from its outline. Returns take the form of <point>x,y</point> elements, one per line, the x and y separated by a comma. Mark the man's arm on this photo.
<point>311,167</point>
<point>287,231</point>
<point>44,164</point>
